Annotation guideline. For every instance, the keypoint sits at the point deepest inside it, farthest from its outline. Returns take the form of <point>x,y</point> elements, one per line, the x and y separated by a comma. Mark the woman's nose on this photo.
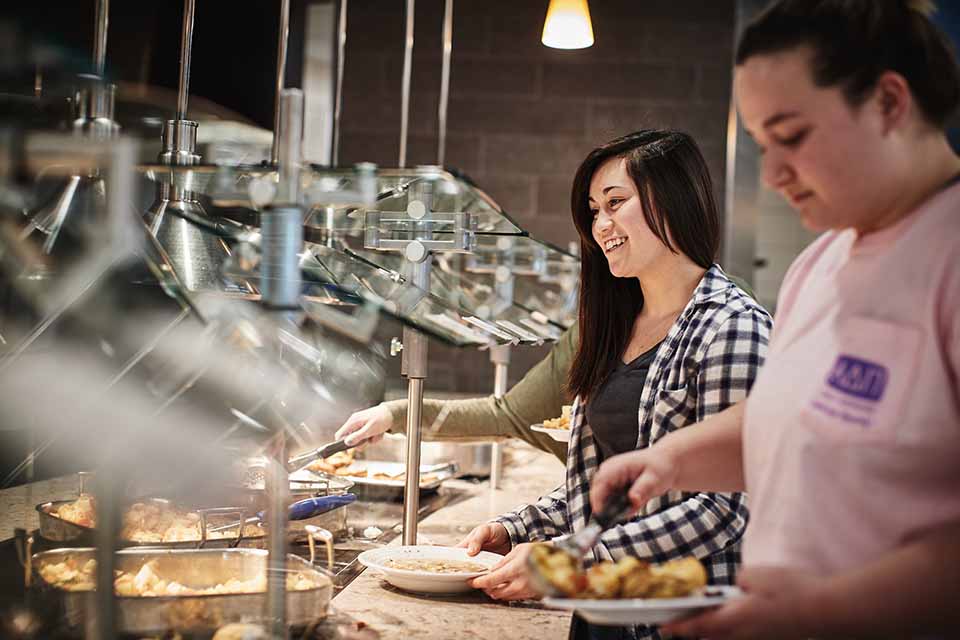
<point>602,221</point>
<point>775,173</point>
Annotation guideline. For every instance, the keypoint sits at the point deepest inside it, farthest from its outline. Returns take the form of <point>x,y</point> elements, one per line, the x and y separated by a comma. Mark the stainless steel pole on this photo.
<point>186,46</point>
<point>100,37</point>
<point>278,490</point>
<point>282,223</point>
<point>500,357</point>
<point>338,97</point>
<point>415,366</point>
<point>108,527</point>
<point>282,37</point>
<point>405,87</point>
<point>445,82</point>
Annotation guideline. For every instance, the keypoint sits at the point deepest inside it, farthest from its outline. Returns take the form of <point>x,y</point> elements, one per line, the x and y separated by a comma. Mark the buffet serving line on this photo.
<point>191,331</point>
<point>363,604</point>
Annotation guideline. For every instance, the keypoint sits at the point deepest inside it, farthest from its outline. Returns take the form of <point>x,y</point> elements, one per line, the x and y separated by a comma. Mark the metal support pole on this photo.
<point>100,37</point>
<point>282,37</point>
<point>338,95</point>
<point>500,357</point>
<point>186,46</point>
<point>415,367</point>
<point>278,490</point>
<point>282,224</point>
<point>405,87</point>
<point>108,527</point>
<point>445,82</point>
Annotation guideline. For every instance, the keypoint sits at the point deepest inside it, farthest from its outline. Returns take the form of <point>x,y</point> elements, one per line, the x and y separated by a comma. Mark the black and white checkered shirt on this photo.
<point>707,362</point>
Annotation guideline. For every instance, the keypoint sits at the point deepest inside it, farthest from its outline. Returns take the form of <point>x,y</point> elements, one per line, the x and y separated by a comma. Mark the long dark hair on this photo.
<point>854,41</point>
<point>676,193</point>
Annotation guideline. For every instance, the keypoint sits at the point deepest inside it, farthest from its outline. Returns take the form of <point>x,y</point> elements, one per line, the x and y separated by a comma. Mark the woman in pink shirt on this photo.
<point>849,442</point>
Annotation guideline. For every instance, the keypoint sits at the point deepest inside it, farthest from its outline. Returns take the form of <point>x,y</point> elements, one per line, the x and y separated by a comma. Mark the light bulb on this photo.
<point>567,25</point>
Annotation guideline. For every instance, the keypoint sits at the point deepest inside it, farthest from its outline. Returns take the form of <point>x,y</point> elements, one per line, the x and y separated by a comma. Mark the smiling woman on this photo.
<point>666,339</point>
<point>643,206</point>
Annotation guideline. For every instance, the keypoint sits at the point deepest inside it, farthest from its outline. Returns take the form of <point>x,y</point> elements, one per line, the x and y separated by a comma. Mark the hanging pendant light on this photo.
<point>568,25</point>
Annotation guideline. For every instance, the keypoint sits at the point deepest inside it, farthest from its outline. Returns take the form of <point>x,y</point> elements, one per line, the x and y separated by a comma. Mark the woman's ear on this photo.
<point>893,99</point>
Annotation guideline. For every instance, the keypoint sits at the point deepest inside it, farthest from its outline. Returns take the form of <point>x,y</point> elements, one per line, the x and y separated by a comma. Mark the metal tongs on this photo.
<point>576,546</point>
<point>323,452</point>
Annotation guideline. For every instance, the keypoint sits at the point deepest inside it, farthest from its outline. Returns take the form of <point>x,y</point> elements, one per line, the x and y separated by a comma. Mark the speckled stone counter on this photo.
<point>18,504</point>
<point>392,613</point>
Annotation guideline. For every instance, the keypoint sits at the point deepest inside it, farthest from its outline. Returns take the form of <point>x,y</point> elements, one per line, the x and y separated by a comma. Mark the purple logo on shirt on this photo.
<point>858,378</point>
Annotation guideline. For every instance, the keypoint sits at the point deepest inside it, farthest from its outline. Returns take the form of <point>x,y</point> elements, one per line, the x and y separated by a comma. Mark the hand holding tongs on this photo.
<point>325,451</point>
<point>576,546</point>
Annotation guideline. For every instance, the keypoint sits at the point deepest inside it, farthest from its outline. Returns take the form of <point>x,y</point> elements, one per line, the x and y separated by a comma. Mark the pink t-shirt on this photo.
<point>852,430</point>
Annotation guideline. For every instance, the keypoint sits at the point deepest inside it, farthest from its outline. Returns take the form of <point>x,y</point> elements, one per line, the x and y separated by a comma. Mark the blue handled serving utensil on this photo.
<point>300,510</point>
<point>312,507</point>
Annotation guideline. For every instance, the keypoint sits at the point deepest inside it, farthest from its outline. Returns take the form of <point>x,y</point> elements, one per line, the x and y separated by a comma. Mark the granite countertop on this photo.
<point>18,504</point>
<point>395,614</point>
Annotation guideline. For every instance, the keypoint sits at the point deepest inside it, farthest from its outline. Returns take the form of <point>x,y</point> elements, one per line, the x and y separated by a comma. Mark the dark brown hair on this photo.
<point>854,41</point>
<point>676,194</point>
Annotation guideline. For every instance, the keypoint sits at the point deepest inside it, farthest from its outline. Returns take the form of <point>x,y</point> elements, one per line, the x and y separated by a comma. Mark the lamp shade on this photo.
<point>567,25</point>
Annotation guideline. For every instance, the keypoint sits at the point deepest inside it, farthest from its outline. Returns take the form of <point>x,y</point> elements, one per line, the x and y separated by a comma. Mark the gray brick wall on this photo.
<point>522,116</point>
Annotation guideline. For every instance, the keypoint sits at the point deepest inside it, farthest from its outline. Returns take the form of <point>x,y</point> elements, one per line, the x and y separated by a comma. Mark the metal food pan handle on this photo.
<point>319,533</point>
<point>222,511</point>
<point>24,546</point>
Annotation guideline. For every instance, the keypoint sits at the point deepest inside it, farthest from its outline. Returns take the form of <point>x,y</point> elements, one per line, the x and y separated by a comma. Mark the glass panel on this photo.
<point>337,197</point>
<point>349,276</point>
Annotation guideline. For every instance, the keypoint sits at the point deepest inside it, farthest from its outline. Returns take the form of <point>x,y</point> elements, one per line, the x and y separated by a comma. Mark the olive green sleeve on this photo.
<point>538,396</point>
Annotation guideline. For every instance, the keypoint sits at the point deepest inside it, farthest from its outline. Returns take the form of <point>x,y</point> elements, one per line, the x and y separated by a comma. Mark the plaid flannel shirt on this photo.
<point>707,362</point>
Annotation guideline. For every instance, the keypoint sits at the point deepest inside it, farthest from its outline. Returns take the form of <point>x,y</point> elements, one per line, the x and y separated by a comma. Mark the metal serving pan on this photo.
<point>57,529</point>
<point>252,499</point>
<point>196,568</point>
<point>393,487</point>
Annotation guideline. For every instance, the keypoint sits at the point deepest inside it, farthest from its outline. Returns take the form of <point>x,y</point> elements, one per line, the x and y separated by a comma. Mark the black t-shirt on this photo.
<point>613,412</point>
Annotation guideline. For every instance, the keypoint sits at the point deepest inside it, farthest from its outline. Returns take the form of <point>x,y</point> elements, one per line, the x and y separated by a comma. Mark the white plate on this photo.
<point>644,610</point>
<point>560,435</point>
<point>426,581</point>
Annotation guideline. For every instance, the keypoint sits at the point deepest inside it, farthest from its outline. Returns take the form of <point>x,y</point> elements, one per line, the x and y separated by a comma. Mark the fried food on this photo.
<point>147,582</point>
<point>343,464</point>
<point>629,577</point>
<point>560,569</point>
<point>333,464</point>
<point>563,422</point>
<point>150,522</point>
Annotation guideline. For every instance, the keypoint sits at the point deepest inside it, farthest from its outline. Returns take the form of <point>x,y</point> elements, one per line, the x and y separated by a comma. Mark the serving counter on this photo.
<point>392,613</point>
<point>364,606</point>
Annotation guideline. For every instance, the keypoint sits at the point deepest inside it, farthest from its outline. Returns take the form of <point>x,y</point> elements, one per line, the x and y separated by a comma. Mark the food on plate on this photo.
<point>563,422</point>
<point>626,578</point>
<point>74,574</point>
<point>435,565</point>
<point>343,464</point>
<point>155,521</point>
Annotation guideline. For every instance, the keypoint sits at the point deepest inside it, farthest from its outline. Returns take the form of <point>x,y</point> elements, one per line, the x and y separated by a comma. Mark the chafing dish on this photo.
<point>250,499</point>
<point>58,529</point>
<point>197,569</point>
<point>385,480</point>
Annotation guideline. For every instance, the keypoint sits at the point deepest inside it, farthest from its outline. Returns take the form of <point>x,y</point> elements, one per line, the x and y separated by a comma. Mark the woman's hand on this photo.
<point>491,536</point>
<point>778,603</point>
<point>369,424</point>
<point>509,579</point>
<point>651,471</point>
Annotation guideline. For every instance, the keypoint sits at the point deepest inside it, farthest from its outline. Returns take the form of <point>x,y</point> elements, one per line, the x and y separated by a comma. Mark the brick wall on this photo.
<point>522,116</point>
